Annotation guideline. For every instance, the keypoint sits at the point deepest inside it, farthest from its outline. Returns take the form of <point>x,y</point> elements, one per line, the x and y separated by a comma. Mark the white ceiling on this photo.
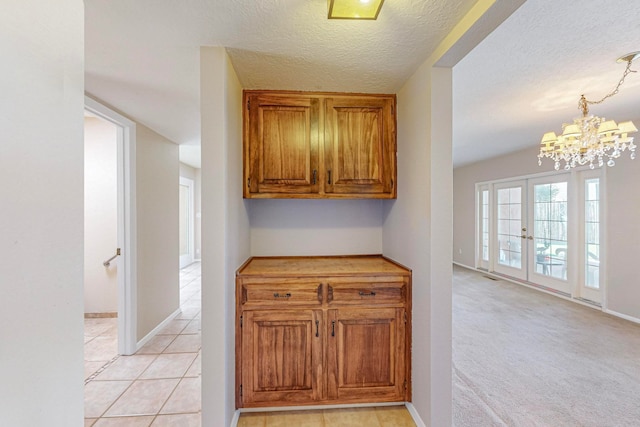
<point>527,76</point>
<point>142,57</point>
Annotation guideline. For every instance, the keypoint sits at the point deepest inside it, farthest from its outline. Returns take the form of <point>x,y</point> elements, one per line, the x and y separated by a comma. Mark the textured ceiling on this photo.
<point>142,56</point>
<point>526,77</point>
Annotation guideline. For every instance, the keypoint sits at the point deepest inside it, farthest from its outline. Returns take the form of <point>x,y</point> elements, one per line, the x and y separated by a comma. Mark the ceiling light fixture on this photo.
<point>354,9</point>
<point>591,139</point>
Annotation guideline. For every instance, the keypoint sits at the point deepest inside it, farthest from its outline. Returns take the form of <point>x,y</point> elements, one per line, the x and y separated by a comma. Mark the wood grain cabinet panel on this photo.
<point>319,145</point>
<point>283,354</point>
<point>283,154</point>
<point>366,354</point>
<point>359,145</point>
<point>327,330</point>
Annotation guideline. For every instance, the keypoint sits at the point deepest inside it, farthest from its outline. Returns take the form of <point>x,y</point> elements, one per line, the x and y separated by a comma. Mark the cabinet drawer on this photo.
<point>367,293</point>
<point>277,294</point>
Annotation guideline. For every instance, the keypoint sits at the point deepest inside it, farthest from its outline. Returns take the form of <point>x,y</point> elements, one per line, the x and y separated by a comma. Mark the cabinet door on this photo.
<point>281,357</point>
<point>365,355</point>
<point>282,151</point>
<point>360,146</point>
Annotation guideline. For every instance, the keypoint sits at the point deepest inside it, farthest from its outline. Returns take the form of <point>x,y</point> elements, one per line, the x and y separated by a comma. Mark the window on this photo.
<point>592,233</point>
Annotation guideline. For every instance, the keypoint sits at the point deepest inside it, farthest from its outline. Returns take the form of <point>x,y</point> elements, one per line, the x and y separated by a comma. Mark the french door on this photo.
<point>545,231</point>
<point>548,237</point>
<point>510,248</point>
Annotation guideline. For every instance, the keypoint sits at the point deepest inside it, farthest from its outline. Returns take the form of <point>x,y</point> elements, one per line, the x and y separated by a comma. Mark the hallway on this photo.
<point>159,386</point>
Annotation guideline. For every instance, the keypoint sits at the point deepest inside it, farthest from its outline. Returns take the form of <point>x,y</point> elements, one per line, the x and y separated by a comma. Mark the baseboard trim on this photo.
<point>466,266</point>
<point>622,316</point>
<point>408,405</point>
<point>555,294</point>
<point>107,315</point>
<point>157,329</point>
<point>414,414</point>
<point>236,417</point>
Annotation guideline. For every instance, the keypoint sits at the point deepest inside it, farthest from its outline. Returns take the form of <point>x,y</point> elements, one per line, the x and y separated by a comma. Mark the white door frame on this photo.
<point>188,259</point>
<point>127,286</point>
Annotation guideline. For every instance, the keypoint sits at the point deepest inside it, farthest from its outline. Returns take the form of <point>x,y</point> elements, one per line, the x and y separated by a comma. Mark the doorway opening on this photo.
<point>101,250</point>
<point>110,222</point>
<point>186,221</point>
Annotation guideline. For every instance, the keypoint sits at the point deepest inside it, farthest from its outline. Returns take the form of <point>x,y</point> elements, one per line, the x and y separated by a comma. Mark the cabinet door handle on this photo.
<point>314,176</point>
<point>367,294</point>
<point>317,328</point>
<point>329,175</point>
<point>333,328</point>
<point>278,295</point>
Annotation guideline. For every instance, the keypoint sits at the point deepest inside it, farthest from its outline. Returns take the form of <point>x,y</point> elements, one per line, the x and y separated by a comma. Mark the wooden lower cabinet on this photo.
<point>365,353</point>
<point>322,330</point>
<point>282,356</point>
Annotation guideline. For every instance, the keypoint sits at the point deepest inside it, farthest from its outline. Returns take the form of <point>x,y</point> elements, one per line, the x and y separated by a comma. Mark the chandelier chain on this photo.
<point>617,88</point>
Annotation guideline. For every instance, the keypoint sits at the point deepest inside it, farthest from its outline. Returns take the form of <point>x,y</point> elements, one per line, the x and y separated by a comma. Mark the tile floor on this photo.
<point>160,384</point>
<point>381,416</point>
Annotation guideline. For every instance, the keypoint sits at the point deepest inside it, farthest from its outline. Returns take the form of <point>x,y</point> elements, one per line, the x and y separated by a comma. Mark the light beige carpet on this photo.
<point>525,358</point>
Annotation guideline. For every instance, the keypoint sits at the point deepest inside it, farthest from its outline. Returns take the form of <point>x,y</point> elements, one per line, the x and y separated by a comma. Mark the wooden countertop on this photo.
<point>320,266</point>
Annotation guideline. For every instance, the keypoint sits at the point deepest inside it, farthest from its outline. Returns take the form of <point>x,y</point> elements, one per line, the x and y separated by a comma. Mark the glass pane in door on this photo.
<point>485,225</point>
<point>550,229</point>
<point>592,233</point>
<point>509,218</point>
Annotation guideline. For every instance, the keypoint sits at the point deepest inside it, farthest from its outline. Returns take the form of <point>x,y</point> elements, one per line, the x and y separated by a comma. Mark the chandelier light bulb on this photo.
<point>591,138</point>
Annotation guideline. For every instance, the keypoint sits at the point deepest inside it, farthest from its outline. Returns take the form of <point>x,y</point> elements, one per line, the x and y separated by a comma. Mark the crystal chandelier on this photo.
<point>591,139</point>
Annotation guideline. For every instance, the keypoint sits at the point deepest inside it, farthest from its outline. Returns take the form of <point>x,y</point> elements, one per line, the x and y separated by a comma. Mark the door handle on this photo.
<point>317,328</point>
<point>107,263</point>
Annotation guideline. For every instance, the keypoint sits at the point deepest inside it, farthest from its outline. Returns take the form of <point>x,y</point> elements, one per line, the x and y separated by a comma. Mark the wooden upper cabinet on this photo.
<point>282,153</point>
<point>359,145</point>
<point>319,145</point>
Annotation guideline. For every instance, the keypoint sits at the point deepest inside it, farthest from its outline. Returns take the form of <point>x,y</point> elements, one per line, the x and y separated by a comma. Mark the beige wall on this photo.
<point>416,229</point>
<point>157,177</point>
<point>41,219</point>
<point>237,233</point>
<point>622,204</point>
<point>315,227</point>
<point>225,230</point>
<point>100,215</point>
<point>192,173</point>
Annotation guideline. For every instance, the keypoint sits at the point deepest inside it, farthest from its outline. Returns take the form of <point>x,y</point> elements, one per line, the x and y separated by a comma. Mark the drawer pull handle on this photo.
<point>333,328</point>
<point>367,294</point>
<point>317,328</point>
<point>277,295</point>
